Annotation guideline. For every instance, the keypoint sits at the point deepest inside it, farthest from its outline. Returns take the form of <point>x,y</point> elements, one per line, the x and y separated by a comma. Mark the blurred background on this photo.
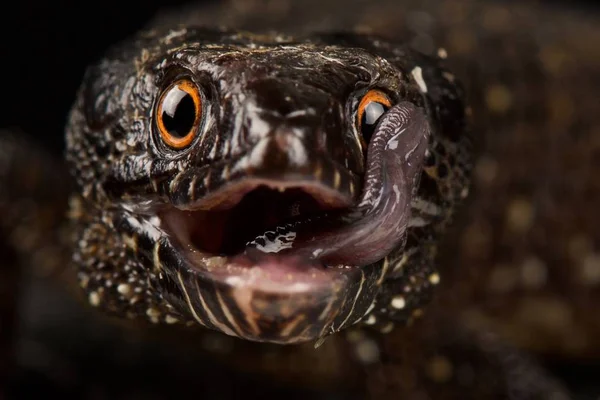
<point>45,48</point>
<point>47,45</point>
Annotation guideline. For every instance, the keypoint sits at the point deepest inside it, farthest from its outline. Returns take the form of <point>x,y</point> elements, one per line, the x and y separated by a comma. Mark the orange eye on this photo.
<point>178,113</point>
<point>372,106</point>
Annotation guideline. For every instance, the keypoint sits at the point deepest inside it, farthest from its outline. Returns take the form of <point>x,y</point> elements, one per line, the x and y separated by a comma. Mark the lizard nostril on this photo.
<point>287,142</point>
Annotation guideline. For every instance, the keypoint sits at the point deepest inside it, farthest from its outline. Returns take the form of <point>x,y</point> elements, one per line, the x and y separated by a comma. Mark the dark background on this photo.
<point>46,46</point>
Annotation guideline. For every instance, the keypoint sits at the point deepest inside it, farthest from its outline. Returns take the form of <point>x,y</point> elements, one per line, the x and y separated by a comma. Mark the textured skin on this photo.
<point>531,81</point>
<point>127,262</point>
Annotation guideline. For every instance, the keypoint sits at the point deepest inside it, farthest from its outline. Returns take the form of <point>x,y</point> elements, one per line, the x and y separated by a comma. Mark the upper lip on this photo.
<point>216,217</point>
<point>222,185</point>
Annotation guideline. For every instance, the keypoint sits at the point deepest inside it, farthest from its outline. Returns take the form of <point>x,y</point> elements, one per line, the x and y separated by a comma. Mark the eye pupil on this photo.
<point>372,112</point>
<point>178,112</point>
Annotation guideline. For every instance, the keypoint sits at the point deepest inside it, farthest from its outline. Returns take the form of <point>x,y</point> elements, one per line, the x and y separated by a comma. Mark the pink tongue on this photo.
<point>278,272</point>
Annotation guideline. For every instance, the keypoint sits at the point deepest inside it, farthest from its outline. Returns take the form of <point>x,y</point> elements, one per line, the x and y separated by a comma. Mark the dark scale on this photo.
<point>248,207</point>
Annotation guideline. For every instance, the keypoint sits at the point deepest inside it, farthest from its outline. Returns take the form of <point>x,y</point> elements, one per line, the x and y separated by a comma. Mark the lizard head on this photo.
<point>246,183</point>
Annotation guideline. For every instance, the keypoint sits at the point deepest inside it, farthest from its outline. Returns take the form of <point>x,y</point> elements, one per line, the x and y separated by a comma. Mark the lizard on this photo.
<point>117,295</point>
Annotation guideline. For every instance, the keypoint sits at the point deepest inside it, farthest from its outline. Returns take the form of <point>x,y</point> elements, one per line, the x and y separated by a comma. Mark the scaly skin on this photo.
<point>532,96</point>
<point>129,260</point>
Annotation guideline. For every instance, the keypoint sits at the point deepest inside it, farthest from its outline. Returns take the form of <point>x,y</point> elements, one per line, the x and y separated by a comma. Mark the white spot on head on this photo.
<point>417,74</point>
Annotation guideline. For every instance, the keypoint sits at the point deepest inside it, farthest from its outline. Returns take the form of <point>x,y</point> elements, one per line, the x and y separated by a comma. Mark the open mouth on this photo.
<point>226,232</point>
<point>222,224</point>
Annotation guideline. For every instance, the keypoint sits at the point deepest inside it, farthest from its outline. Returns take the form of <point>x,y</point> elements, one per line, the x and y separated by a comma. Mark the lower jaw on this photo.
<point>284,297</point>
<point>251,303</point>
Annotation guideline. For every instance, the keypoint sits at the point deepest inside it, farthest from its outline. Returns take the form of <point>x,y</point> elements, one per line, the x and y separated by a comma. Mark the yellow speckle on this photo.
<point>355,335</point>
<point>336,179</point>
<point>367,351</point>
<point>169,319</point>
<point>554,59</point>
<point>130,242</point>
<point>434,278</point>
<point>440,369</point>
<point>124,289</point>
<point>498,98</point>
<point>442,53</point>
<point>94,299</point>
<point>153,313</point>
<point>591,269</point>
<point>519,215</point>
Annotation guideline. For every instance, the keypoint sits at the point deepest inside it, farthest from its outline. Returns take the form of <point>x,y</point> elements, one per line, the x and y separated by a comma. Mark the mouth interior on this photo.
<point>226,232</point>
